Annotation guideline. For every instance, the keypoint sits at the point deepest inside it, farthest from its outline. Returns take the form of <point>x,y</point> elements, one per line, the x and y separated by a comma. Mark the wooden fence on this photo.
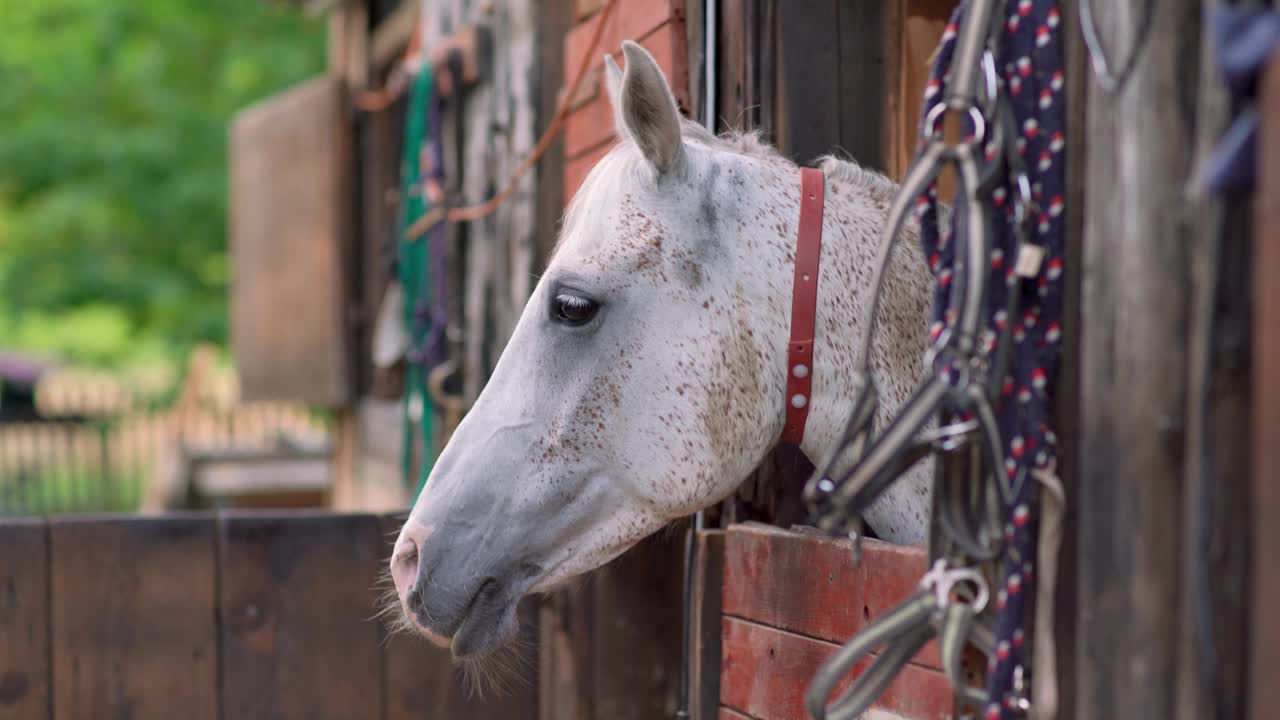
<point>105,464</point>
<point>200,616</point>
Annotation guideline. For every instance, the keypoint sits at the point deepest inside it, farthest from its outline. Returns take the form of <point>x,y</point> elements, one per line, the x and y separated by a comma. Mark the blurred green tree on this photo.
<point>113,177</point>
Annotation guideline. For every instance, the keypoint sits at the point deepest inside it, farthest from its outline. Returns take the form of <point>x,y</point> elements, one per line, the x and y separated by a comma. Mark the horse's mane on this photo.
<point>751,143</point>
<point>837,169</point>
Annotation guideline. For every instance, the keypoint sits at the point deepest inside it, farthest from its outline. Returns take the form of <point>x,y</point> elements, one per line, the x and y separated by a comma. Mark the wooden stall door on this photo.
<point>290,226</point>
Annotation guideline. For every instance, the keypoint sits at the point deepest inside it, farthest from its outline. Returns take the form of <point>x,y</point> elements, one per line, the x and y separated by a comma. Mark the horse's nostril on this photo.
<point>414,598</point>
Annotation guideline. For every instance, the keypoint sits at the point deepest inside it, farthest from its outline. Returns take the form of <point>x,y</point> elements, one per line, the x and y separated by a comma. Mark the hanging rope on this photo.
<point>379,100</point>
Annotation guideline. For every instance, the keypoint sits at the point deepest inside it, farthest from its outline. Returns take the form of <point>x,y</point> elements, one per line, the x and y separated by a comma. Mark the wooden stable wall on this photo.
<point>790,600</point>
<point>202,617</point>
<point>658,25</point>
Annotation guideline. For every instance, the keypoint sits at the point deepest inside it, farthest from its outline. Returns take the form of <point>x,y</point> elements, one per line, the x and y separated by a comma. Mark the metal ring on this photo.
<point>975,116</point>
<point>951,578</point>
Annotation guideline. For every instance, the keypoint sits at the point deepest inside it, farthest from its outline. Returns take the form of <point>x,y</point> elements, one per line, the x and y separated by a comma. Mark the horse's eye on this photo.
<point>575,310</point>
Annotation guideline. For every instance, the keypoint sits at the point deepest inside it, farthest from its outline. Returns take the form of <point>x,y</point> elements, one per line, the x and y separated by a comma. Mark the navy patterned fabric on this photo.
<point>1029,63</point>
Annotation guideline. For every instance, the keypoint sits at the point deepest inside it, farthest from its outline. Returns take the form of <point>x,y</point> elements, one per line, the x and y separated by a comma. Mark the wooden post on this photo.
<point>1263,690</point>
<point>1134,367</point>
<point>1214,625</point>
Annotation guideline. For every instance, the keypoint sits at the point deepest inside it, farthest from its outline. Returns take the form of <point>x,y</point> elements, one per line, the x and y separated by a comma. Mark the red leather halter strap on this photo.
<point>804,304</point>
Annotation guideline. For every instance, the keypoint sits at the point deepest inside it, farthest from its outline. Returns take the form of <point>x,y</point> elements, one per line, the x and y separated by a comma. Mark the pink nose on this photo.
<point>405,574</point>
<point>404,561</point>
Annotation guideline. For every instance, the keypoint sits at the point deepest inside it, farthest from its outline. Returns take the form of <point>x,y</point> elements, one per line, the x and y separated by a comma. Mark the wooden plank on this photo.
<point>1216,500</point>
<point>1264,691</point>
<point>296,597</point>
<point>557,18</point>
<point>707,599</point>
<point>421,680</point>
<point>586,8</point>
<point>1066,409</point>
<point>766,672</point>
<point>808,79</point>
<point>1132,410</point>
<point>636,634</point>
<point>592,123</point>
<point>863,70</point>
<point>289,227</point>
<point>631,20</point>
<point>764,566</point>
<point>132,610</point>
<point>24,620</point>
<point>922,24</point>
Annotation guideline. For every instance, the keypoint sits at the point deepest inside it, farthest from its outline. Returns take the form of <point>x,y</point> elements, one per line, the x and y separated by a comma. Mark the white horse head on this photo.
<point>646,376</point>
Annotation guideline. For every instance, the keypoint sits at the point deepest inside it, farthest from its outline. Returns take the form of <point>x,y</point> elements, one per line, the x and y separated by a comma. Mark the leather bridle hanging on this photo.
<point>804,305</point>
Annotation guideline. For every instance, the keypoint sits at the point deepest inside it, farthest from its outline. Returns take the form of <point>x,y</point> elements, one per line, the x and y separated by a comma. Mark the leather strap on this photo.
<point>804,305</point>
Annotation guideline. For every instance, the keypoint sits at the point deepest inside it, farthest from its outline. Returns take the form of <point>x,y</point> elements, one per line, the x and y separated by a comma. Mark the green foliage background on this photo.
<point>113,177</point>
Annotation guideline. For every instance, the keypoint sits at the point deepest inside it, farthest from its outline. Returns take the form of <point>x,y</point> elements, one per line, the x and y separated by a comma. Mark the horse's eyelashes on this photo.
<point>574,310</point>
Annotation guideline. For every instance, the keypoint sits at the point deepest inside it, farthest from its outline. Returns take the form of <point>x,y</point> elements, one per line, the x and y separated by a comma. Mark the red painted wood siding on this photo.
<point>658,25</point>
<point>791,599</point>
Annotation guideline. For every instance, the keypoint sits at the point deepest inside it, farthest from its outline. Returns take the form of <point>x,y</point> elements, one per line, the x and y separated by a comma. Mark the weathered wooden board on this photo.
<point>637,630</point>
<point>705,644</point>
<point>807,120</point>
<point>296,599</point>
<point>919,28</point>
<point>24,620</point>
<point>1264,691</point>
<point>1134,370</point>
<point>591,124</point>
<point>766,672</point>
<point>808,584</point>
<point>133,618</point>
<point>289,229</point>
<point>630,20</point>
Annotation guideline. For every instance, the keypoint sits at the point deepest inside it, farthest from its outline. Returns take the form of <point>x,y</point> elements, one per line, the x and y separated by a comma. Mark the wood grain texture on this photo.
<point>1066,406</point>
<point>808,584</point>
<point>631,20</point>
<point>766,672</point>
<point>807,115</point>
<point>24,620</point>
<point>1216,501</point>
<point>636,633</point>
<point>289,224</point>
<point>592,123</point>
<point>707,594</point>
<point>133,618</point>
<point>1134,368</point>
<point>863,64</point>
<point>1263,690</point>
<point>296,600</point>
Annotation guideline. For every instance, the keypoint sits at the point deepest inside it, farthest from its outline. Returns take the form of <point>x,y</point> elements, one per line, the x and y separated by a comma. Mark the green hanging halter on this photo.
<point>414,271</point>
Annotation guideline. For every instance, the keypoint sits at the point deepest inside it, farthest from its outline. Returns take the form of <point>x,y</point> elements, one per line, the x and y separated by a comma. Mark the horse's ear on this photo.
<point>648,110</point>
<point>613,83</point>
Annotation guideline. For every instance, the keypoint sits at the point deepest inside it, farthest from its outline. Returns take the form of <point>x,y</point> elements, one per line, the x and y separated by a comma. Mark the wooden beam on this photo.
<point>1263,690</point>
<point>24,620</point>
<point>1134,368</point>
<point>1213,671</point>
<point>705,649</point>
